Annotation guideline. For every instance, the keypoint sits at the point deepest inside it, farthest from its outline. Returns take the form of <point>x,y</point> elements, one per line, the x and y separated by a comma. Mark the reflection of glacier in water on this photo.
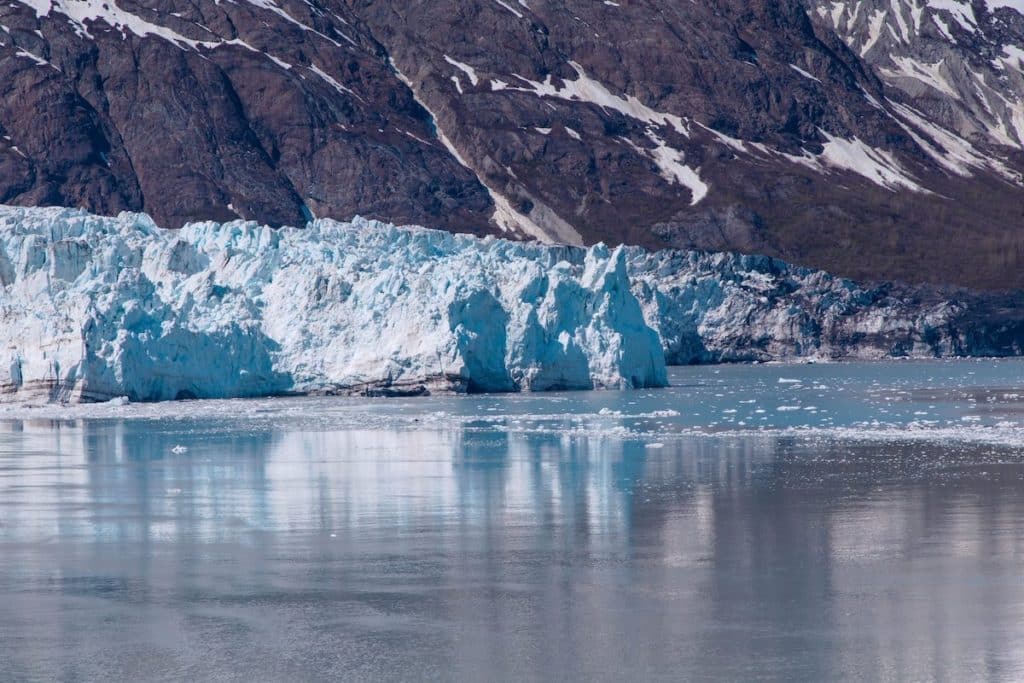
<point>324,481</point>
<point>338,540</point>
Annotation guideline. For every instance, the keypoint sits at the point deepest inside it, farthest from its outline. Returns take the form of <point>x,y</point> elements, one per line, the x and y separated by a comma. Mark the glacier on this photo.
<point>717,307</point>
<point>94,308</point>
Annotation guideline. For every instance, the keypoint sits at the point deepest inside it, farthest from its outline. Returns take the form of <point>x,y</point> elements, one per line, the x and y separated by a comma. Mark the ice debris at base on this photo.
<point>95,308</point>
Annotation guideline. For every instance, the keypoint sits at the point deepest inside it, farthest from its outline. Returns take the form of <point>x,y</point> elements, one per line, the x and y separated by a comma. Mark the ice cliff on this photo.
<point>93,308</point>
<point>721,307</point>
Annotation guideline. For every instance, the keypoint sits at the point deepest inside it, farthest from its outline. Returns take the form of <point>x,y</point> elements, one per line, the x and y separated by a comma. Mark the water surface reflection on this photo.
<point>140,549</point>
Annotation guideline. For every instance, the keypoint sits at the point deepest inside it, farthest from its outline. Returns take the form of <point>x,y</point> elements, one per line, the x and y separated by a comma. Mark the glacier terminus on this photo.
<point>95,308</point>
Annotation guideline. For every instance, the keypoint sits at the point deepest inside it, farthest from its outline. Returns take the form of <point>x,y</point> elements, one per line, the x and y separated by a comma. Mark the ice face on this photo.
<point>93,308</point>
<point>720,307</point>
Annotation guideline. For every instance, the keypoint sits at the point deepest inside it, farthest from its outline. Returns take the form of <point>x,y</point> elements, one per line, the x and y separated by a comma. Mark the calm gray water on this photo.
<point>829,522</point>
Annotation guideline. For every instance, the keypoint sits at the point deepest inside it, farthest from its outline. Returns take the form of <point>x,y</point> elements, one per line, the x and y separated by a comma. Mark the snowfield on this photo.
<point>95,308</point>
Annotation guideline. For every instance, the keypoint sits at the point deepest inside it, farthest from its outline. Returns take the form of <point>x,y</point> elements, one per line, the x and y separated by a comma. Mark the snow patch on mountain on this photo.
<point>85,15</point>
<point>930,75</point>
<point>93,308</point>
<point>993,5</point>
<point>510,220</point>
<point>930,50</point>
<point>959,10</point>
<point>876,165</point>
<point>585,89</point>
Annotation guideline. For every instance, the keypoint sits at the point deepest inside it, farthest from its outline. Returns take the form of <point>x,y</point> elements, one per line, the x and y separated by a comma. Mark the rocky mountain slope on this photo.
<point>879,140</point>
<point>958,62</point>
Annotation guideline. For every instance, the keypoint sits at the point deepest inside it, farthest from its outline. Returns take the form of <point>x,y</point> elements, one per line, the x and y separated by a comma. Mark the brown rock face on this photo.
<point>205,111</point>
<point>733,124</point>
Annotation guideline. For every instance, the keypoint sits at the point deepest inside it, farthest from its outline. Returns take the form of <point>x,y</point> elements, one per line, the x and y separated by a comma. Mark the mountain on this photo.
<point>878,140</point>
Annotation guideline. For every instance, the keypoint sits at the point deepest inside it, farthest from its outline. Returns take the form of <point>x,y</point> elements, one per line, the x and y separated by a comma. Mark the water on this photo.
<point>864,522</point>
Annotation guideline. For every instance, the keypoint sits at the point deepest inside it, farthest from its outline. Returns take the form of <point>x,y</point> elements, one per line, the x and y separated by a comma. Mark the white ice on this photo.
<point>93,308</point>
